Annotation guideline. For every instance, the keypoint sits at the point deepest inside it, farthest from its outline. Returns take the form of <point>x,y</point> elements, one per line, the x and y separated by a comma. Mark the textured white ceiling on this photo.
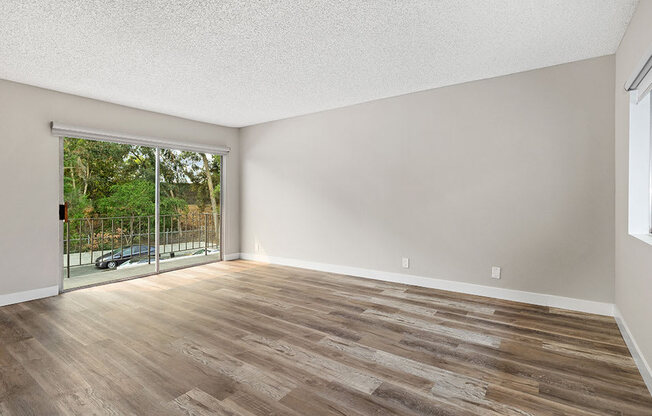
<point>243,62</point>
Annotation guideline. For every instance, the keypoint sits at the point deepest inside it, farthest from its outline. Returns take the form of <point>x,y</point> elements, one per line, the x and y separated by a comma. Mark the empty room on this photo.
<point>301,207</point>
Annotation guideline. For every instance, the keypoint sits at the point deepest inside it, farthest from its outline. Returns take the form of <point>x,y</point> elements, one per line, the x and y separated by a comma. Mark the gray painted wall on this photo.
<point>633,256</point>
<point>515,171</point>
<point>30,195</point>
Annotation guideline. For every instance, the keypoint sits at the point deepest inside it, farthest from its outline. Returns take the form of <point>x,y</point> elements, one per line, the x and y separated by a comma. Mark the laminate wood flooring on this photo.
<point>246,338</point>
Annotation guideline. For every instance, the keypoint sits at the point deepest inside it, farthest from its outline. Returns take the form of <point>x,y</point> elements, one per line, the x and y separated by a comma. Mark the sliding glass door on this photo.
<point>115,200</point>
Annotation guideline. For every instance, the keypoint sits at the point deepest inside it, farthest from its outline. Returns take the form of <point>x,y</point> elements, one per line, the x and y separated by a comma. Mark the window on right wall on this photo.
<point>640,152</point>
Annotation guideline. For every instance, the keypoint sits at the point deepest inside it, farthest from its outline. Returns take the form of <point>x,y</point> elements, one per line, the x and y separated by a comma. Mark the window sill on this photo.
<point>646,238</point>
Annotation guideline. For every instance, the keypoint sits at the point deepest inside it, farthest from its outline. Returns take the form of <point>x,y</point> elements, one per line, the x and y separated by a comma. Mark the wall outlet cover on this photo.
<point>495,272</point>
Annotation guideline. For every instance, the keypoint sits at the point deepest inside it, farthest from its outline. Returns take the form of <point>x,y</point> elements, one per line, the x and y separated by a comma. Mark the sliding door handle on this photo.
<point>63,212</point>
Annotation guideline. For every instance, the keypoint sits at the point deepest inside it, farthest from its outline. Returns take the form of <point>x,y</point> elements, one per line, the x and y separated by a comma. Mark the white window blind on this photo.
<point>64,130</point>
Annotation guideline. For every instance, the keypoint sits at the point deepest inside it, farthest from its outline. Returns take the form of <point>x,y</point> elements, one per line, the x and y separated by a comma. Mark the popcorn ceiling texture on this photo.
<point>239,63</point>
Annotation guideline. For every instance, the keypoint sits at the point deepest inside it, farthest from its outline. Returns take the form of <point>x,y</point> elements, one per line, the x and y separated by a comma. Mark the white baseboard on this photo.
<point>17,297</point>
<point>582,305</point>
<point>642,364</point>
<point>232,256</point>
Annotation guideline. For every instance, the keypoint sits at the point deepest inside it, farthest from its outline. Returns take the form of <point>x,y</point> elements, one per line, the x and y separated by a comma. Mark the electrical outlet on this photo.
<point>406,263</point>
<point>495,272</point>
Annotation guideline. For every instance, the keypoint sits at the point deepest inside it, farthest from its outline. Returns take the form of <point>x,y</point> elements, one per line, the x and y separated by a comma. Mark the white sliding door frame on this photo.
<point>157,213</point>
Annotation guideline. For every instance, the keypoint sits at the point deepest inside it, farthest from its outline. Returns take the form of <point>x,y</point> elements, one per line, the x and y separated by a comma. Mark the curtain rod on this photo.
<point>642,69</point>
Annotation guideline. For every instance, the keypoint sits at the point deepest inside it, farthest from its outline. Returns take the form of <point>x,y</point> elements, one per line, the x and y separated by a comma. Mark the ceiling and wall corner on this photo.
<point>238,63</point>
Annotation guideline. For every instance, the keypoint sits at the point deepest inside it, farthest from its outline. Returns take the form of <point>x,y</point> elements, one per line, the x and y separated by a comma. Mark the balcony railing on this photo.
<point>87,239</point>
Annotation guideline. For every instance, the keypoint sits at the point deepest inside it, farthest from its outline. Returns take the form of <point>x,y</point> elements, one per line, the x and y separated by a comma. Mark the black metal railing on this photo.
<point>87,239</point>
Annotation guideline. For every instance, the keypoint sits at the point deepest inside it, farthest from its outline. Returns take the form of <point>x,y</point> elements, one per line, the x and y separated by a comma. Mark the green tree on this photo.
<point>204,174</point>
<point>136,198</point>
<point>78,203</point>
<point>92,167</point>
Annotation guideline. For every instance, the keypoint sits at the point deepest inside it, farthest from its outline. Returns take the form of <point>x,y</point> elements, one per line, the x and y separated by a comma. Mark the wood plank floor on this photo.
<point>244,338</point>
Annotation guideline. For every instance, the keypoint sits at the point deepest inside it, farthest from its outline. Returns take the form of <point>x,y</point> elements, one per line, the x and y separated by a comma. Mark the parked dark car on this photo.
<point>117,257</point>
